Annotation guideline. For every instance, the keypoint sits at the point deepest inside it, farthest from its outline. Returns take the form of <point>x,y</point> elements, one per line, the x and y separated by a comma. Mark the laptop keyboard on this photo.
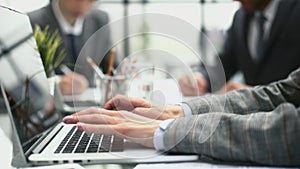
<point>77,141</point>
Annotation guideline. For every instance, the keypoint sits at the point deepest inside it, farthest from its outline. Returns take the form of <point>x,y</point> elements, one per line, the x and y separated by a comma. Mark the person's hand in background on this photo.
<point>121,102</point>
<point>231,86</point>
<point>193,86</point>
<point>72,83</point>
<point>144,108</point>
<point>123,124</point>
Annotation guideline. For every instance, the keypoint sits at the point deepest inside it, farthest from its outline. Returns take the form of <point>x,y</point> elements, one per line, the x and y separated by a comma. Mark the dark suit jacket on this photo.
<point>282,49</point>
<point>98,47</point>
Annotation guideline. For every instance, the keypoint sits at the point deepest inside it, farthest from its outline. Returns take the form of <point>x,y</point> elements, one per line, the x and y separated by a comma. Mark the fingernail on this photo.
<point>68,119</point>
<point>80,126</point>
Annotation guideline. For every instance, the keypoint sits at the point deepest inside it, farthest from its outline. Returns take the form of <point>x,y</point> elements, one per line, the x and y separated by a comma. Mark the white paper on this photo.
<point>91,94</point>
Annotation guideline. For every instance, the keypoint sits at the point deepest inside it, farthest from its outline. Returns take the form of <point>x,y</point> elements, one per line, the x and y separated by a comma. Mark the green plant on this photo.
<point>47,44</point>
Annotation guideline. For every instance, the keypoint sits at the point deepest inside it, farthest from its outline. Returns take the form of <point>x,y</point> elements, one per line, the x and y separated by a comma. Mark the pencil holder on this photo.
<point>111,86</point>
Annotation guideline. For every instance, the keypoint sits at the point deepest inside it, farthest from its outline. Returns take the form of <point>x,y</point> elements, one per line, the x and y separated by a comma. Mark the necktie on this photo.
<point>260,45</point>
<point>74,46</point>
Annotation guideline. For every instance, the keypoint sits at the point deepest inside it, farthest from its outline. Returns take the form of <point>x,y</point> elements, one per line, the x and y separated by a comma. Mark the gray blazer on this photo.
<point>258,125</point>
<point>98,47</point>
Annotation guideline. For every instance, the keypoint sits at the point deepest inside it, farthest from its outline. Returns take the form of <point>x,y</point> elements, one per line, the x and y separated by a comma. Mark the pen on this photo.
<point>95,67</point>
<point>65,69</point>
<point>109,71</point>
<point>111,62</point>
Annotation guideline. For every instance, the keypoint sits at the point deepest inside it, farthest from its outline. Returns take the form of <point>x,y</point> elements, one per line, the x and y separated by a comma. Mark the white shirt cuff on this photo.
<point>158,139</point>
<point>186,109</point>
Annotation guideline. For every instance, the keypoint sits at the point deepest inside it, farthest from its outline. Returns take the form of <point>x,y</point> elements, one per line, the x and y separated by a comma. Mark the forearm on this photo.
<point>245,101</point>
<point>267,137</point>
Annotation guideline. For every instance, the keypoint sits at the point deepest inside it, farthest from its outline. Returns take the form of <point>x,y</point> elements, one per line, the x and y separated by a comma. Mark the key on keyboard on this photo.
<point>77,141</point>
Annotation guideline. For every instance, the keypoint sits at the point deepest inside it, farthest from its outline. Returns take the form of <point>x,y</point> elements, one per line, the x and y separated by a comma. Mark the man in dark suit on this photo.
<point>262,43</point>
<point>76,22</point>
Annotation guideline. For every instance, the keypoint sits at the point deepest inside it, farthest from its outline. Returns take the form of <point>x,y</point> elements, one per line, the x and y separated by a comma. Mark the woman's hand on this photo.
<point>231,86</point>
<point>123,124</point>
<point>144,108</point>
<point>125,103</point>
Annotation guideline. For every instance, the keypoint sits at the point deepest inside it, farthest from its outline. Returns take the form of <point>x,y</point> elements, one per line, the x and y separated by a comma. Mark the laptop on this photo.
<point>40,137</point>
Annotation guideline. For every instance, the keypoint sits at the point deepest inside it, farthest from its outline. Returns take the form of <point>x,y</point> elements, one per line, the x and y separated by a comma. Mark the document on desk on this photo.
<point>88,95</point>
<point>196,165</point>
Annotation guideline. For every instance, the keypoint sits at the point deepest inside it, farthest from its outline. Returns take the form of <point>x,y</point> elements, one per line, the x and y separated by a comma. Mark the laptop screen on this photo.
<point>23,77</point>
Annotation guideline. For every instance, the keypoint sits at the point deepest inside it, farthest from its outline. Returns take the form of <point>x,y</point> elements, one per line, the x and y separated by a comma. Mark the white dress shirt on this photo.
<point>158,139</point>
<point>65,26</point>
<point>269,14</point>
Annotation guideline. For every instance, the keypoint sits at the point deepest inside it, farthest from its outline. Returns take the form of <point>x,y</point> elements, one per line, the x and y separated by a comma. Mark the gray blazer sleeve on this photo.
<point>246,101</point>
<point>261,125</point>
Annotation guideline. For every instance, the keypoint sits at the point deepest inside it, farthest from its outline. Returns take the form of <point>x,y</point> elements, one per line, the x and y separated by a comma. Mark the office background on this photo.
<point>211,16</point>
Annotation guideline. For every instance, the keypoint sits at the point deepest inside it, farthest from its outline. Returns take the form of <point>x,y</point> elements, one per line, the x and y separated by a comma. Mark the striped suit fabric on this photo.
<point>258,125</point>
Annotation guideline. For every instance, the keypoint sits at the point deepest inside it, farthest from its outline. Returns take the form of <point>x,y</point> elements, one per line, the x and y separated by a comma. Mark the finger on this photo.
<point>118,101</point>
<point>92,119</point>
<point>187,88</point>
<point>199,88</point>
<point>185,83</point>
<point>95,110</point>
<point>201,83</point>
<point>231,86</point>
<point>149,113</point>
<point>91,110</point>
<point>188,91</point>
<point>99,119</point>
<point>98,129</point>
<point>125,103</point>
<point>71,119</point>
<point>140,103</point>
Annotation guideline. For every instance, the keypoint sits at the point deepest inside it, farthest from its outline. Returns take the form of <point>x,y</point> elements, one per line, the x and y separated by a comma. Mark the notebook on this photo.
<point>74,103</point>
<point>40,137</point>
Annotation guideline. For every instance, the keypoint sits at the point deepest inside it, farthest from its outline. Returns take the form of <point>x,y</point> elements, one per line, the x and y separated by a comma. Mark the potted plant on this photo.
<point>47,44</point>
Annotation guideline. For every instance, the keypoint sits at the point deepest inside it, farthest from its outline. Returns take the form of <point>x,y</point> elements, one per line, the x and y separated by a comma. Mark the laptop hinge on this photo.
<point>40,147</point>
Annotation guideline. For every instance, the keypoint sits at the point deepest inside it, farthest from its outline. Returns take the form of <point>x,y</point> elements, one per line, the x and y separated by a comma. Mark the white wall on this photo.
<point>24,5</point>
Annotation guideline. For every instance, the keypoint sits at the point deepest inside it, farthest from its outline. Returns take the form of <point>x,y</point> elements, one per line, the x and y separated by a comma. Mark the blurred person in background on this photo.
<point>76,21</point>
<point>262,43</point>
